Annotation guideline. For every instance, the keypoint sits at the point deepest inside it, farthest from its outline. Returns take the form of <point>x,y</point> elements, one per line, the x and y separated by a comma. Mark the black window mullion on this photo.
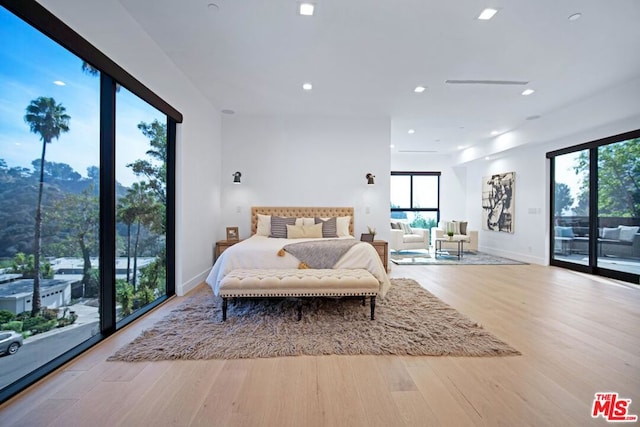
<point>593,208</point>
<point>171,217</point>
<point>107,203</point>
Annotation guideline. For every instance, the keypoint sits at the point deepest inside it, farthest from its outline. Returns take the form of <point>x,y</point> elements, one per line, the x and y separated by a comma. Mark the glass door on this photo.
<point>571,230</point>
<point>619,206</point>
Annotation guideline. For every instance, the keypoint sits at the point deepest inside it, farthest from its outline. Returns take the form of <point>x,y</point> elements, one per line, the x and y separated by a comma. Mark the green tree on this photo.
<point>126,213</point>
<point>25,264</point>
<point>563,199</point>
<point>49,120</point>
<point>142,209</point>
<point>78,215</point>
<point>618,178</point>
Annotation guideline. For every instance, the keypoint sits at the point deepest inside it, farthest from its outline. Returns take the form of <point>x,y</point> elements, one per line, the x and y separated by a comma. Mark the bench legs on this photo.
<point>299,307</point>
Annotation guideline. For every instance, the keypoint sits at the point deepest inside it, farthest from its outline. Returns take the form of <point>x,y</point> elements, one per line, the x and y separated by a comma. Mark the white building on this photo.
<point>17,296</point>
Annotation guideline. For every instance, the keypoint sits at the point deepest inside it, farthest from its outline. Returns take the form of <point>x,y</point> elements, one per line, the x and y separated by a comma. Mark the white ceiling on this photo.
<point>365,57</point>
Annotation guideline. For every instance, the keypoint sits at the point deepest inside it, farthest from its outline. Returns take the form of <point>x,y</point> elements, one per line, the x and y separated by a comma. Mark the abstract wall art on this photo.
<point>498,196</point>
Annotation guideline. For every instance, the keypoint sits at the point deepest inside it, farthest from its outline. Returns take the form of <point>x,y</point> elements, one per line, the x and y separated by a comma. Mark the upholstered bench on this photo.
<point>299,283</point>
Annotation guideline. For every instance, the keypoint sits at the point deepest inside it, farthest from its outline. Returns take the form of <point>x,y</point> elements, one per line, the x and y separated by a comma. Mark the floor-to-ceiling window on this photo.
<point>595,199</point>
<point>415,198</point>
<point>141,177</point>
<point>87,158</point>
<point>49,183</point>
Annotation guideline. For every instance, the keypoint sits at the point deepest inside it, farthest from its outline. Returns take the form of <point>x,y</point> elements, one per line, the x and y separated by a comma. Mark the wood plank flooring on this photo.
<point>578,335</point>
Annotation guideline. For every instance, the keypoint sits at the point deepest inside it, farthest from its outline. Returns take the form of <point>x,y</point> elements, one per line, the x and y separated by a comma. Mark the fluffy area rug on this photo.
<point>468,258</point>
<point>409,321</point>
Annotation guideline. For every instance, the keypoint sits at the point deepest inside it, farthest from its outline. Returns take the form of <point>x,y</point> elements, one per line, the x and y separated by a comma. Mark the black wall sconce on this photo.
<point>370,177</point>
<point>236,177</point>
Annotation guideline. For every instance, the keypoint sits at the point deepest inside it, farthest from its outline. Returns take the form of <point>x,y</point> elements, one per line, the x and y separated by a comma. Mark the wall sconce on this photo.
<point>370,177</point>
<point>236,177</point>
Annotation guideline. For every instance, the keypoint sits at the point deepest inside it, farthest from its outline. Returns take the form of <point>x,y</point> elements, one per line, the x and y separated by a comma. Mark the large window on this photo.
<point>415,198</point>
<point>596,207</point>
<point>86,182</point>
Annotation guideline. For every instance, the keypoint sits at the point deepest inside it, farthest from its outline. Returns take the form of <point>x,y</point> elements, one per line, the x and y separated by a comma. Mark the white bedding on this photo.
<point>262,252</point>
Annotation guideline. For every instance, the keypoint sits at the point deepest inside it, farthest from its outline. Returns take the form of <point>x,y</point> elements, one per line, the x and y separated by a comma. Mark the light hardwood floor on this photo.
<point>578,335</point>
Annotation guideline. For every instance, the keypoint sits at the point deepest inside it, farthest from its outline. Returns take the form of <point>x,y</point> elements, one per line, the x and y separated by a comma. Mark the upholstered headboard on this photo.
<point>299,212</point>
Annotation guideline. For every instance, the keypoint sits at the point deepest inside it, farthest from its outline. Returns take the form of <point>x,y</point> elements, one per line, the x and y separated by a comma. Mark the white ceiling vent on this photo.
<point>486,82</point>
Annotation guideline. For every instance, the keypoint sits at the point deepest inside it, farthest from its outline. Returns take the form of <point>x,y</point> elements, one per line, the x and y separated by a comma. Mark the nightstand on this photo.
<point>382,247</point>
<point>222,246</point>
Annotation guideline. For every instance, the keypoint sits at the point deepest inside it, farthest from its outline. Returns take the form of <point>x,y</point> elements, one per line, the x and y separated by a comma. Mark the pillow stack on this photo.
<point>298,228</point>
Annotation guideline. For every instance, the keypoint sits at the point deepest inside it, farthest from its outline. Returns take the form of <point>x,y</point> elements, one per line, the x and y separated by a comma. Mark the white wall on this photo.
<point>106,25</point>
<point>305,161</point>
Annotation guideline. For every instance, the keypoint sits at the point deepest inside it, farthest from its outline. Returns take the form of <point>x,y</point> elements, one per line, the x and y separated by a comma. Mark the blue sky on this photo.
<point>30,63</point>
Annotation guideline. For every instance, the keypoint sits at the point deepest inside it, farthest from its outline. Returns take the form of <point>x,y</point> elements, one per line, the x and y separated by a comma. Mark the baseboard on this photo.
<point>530,259</point>
<point>190,284</point>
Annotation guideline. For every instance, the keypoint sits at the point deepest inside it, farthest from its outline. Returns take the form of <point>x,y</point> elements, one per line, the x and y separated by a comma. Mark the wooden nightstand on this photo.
<point>382,247</point>
<point>222,246</point>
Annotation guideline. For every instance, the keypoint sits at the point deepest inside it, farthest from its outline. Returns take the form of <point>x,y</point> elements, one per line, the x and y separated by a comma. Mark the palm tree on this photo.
<point>137,207</point>
<point>126,213</point>
<point>49,120</point>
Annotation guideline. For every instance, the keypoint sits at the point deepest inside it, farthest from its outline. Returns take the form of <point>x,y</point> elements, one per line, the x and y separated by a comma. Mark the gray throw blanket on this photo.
<point>321,253</point>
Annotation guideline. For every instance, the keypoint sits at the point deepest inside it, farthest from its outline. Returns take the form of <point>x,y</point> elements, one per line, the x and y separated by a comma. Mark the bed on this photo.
<point>261,252</point>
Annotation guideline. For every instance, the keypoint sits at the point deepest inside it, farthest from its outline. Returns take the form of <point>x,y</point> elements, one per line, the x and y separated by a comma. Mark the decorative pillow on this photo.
<point>452,226</point>
<point>342,223</point>
<point>627,232</point>
<point>611,233</point>
<point>463,227</point>
<point>305,221</point>
<point>264,225</point>
<point>329,227</point>
<point>564,231</point>
<point>406,229</point>
<point>304,231</point>
<point>279,226</point>
<point>396,226</point>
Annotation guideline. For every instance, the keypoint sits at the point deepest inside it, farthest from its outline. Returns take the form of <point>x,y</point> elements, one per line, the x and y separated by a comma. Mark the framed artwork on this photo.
<point>232,233</point>
<point>366,237</point>
<point>498,195</point>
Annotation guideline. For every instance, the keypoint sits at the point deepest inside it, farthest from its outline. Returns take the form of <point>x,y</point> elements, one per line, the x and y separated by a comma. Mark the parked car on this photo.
<point>10,342</point>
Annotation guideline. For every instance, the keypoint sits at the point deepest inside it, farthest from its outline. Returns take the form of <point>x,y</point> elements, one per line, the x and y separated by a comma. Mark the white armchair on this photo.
<point>461,232</point>
<point>406,238</point>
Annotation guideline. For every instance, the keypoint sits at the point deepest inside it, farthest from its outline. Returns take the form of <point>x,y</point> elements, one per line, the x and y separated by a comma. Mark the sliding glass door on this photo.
<point>571,229</point>
<point>619,206</point>
<point>595,199</point>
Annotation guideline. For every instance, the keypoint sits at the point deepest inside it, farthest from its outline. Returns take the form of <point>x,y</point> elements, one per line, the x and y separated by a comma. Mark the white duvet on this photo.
<point>260,252</point>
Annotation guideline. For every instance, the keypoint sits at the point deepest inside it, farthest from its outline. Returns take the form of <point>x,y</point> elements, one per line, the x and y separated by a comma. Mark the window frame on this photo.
<point>411,174</point>
<point>111,73</point>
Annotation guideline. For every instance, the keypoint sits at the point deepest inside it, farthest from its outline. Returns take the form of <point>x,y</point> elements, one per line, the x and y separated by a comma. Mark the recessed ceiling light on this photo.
<point>487,158</point>
<point>307,86</point>
<point>487,14</point>
<point>392,146</point>
<point>460,147</point>
<point>495,132</point>
<point>411,131</point>
<point>527,92</point>
<point>213,7</point>
<point>419,89</point>
<point>59,83</point>
<point>226,111</point>
<point>306,9</point>
<point>575,17</point>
